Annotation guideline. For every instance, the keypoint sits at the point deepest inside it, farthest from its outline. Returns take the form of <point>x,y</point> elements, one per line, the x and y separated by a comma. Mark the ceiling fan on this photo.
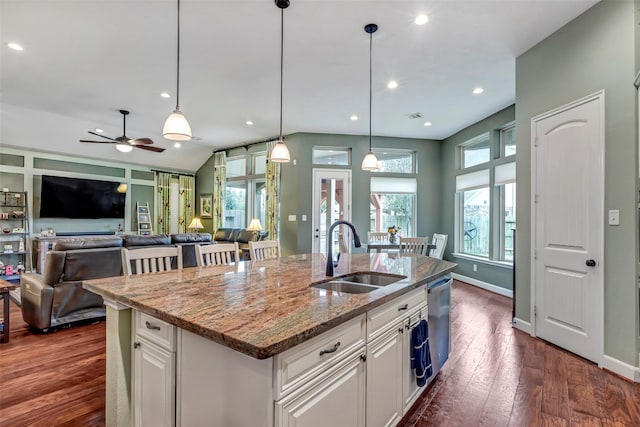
<point>123,143</point>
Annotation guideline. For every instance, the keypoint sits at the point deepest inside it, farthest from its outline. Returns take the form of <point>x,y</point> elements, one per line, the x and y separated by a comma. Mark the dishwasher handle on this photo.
<point>439,284</point>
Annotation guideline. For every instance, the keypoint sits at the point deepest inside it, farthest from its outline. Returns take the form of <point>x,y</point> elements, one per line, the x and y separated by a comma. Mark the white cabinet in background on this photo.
<point>339,400</point>
<point>154,372</point>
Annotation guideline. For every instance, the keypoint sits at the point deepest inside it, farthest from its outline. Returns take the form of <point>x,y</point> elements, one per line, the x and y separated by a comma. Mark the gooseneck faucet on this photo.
<point>356,243</point>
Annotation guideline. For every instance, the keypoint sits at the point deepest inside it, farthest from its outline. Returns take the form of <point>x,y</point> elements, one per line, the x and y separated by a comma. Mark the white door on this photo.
<point>568,226</point>
<point>331,202</point>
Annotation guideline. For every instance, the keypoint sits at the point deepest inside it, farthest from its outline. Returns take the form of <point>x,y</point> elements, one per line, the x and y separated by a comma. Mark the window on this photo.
<point>486,197</point>
<point>246,193</point>
<point>393,202</point>
<point>475,151</point>
<point>331,156</point>
<point>508,141</point>
<point>396,161</point>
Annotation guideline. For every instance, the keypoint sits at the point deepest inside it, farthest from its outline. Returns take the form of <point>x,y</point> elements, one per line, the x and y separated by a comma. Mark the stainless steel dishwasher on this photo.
<point>439,301</point>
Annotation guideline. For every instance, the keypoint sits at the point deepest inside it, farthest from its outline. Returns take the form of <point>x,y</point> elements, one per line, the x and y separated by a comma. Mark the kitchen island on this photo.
<point>236,345</point>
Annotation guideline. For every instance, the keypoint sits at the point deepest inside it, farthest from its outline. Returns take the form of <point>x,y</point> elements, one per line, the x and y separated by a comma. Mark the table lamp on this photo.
<point>255,226</point>
<point>196,225</point>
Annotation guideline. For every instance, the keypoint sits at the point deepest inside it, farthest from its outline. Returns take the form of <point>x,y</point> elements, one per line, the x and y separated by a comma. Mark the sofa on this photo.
<point>56,297</point>
<point>239,235</point>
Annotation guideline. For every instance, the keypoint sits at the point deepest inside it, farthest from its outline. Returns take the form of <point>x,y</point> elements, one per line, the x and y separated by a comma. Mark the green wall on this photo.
<point>496,275</point>
<point>296,197</point>
<point>593,52</point>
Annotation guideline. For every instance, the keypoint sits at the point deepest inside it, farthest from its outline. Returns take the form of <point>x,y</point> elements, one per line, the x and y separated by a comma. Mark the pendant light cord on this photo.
<point>281,63</point>
<point>178,64</point>
<point>370,83</point>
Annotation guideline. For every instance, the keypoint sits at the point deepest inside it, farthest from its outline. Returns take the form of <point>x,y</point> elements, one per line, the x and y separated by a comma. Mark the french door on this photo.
<point>331,202</point>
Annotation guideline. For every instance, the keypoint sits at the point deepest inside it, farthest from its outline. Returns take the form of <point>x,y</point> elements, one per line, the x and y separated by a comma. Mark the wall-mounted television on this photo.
<point>80,198</point>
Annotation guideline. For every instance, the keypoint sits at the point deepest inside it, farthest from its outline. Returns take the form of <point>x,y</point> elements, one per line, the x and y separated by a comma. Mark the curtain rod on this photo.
<point>173,173</point>
<point>246,146</point>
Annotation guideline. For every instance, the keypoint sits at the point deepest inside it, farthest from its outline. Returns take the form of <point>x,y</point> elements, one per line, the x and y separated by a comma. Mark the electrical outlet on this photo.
<point>475,267</point>
<point>614,217</point>
<point>304,217</point>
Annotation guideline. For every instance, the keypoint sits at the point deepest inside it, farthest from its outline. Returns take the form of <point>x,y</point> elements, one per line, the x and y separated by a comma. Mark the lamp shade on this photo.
<point>254,225</point>
<point>123,147</point>
<point>280,153</point>
<point>370,162</point>
<point>176,127</point>
<point>122,188</point>
<point>196,224</point>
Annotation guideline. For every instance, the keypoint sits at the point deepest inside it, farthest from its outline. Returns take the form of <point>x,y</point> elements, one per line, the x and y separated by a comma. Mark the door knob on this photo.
<point>591,263</point>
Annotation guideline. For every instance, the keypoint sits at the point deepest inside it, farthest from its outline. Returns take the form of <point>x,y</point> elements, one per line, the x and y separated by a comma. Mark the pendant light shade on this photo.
<point>176,127</point>
<point>280,153</point>
<point>370,161</point>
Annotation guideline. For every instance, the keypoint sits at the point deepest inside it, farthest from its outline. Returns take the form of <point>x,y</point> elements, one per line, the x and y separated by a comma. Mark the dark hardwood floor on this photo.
<point>495,376</point>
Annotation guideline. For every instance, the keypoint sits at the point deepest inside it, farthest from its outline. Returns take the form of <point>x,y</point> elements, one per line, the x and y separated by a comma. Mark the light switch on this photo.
<point>614,217</point>
<point>292,217</point>
<point>304,217</point>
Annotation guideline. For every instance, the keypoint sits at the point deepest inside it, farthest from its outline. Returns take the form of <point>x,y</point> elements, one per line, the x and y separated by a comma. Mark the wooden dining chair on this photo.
<point>151,260</point>
<point>220,254</point>
<point>266,249</point>
<point>374,236</point>
<point>440,240</point>
<point>414,245</point>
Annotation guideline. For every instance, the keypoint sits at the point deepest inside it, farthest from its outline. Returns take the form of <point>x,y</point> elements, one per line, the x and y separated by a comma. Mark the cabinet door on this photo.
<point>384,379</point>
<point>153,385</point>
<point>339,400</point>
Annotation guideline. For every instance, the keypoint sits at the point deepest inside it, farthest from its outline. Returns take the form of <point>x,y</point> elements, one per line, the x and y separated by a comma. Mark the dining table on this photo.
<point>386,246</point>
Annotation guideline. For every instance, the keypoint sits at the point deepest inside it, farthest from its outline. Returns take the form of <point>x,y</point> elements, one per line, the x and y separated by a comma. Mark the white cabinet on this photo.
<point>384,379</point>
<point>339,400</point>
<point>154,372</point>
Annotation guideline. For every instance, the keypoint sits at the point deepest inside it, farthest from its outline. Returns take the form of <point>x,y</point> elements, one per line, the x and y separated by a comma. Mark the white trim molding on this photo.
<point>621,368</point>
<point>522,325</point>
<point>484,285</point>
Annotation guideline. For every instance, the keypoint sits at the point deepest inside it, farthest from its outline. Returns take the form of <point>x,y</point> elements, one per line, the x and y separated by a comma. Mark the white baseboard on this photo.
<point>621,368</point>
<point>483,285</point>
<point>524,326</point>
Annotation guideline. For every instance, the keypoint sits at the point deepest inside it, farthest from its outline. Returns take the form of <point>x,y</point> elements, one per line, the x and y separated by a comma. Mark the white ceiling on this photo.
<point>83,60</point>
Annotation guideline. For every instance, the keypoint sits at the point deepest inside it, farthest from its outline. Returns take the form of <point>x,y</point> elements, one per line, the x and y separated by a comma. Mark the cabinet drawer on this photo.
<point>380,317</point>
<point>157,331</point>
<point>309,360</point>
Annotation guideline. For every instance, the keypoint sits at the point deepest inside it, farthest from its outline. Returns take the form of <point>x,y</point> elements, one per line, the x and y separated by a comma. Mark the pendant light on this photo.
<point>176,127</point>
<point>280,153</point>
<point>370,161</point>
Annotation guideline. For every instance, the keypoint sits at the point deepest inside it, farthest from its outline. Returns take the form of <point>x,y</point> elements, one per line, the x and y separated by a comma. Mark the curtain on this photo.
<point>219,188</point>
<point>273,195</point>
<point>163,183</point>
<point>185,215</point>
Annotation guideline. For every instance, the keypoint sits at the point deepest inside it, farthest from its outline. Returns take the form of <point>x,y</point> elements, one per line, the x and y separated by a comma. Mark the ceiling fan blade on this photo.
<point>101,136</point>
<point>150,148</point>
<point>97,142</point>
<point>140,141</point>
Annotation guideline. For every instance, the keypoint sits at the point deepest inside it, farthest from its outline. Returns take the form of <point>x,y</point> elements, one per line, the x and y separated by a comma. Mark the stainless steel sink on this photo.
<point>358,283</point>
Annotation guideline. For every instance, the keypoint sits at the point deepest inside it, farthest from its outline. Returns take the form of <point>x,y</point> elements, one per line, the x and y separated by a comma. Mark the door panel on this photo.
<point>568,227</point>
<point>331,202</point>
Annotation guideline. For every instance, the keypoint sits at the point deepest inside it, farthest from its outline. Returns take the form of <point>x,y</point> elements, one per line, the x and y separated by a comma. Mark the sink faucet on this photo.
<point>356,243</point>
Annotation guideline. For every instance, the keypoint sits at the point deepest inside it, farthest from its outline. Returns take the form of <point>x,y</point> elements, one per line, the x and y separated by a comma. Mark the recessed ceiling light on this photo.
<point>249,122</point>
<point>165,95</point>
<point>353,118</point>
<point>98,130</point>
<point>177,144</point>
<point>421,19</point>
<point>392,84</point>
<point>478,91</point>
<point>427,123</point>
<point>14,46</point>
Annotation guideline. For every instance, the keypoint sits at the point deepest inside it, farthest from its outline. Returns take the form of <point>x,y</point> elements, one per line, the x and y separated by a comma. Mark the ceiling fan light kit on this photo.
<point>280,152</point>
<point>123,147</point>
<point>370,161</point>
<point>176,127</point>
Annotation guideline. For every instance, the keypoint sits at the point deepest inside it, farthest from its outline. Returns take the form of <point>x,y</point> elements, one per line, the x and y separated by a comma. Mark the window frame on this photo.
<point>250,179</point>
<point>379,152</point>
<point>471,142</point>
<point>344,150</point>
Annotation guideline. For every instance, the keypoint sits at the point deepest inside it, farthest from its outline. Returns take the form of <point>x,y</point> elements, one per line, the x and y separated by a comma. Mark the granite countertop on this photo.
<point>262,308</point>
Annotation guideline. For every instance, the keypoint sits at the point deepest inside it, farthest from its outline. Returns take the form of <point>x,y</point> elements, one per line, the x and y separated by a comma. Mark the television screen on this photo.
<point>80,198</point>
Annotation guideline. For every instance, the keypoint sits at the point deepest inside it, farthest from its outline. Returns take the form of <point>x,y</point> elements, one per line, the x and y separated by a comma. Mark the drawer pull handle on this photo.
<point>136,344</point>
<point>363,357</point>
<point>150,326</point>
<point>331,350</point>
<point>403,307</point>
